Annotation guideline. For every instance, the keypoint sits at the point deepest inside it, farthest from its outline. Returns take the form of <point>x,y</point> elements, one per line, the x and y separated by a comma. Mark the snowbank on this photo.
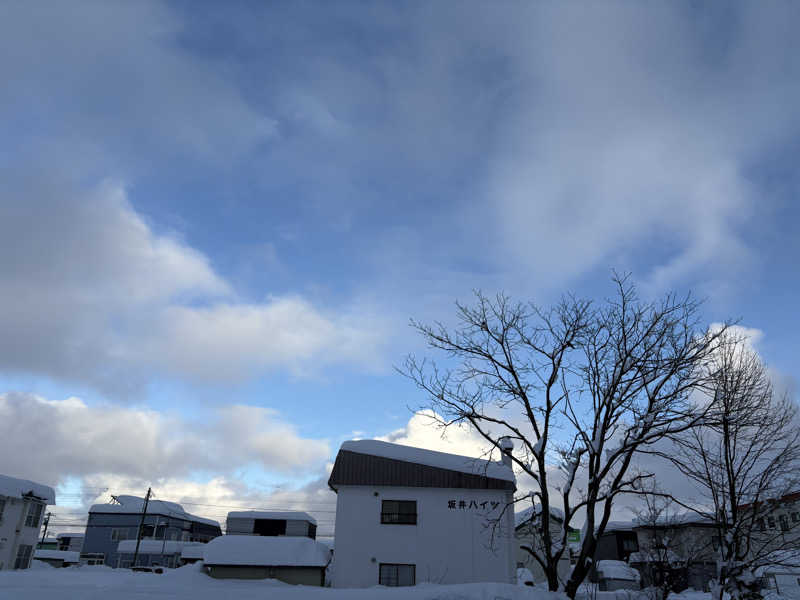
<point>279,515</point>
<point>616,569</point>
<point>134,504</point>
<point>190,583</point>
<point>431,458</point>
<point>17,488</point>
<point>256,550</point>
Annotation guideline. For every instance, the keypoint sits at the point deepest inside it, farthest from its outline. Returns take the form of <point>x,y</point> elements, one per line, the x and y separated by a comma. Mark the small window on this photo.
<point>23,557</point>
<point>795,517</point>
<point>630,545</point>
<point>784,521</point>
<point>393,575</point>
<point>118,534</point>
<point>771,522</point>
<point>761,525</point>
<point>34,517</point>
<point>312,531</point>
<point>269,527</point>
<point>2,508</point>
<point>399,512</point>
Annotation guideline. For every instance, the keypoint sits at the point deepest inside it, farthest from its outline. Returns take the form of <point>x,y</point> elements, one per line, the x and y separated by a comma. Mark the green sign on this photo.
<point>573,536</point>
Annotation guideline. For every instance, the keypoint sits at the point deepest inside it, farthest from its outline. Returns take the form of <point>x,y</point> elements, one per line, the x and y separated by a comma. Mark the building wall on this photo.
<point>447,545</point>
<point>70,544</point>
<point>527,535</point>
<point>99,532</point>
<point>13,531</point>
<point>291,575</point>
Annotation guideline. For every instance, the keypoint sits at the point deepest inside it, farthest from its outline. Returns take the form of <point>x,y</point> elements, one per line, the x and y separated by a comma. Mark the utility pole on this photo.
<point>46,523</point>
<point>141,523</point>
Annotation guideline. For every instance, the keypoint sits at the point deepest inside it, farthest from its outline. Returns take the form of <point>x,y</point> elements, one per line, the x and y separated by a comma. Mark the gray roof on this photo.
<point>355,468</point>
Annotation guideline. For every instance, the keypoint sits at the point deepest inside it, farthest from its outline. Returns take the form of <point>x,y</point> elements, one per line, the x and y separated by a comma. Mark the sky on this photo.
<point>216,219</point>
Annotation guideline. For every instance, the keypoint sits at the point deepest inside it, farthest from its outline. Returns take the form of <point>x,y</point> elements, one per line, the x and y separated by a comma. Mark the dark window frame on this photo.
<point>398,514</point>
<point>783,521</point>
<point>395,581</point>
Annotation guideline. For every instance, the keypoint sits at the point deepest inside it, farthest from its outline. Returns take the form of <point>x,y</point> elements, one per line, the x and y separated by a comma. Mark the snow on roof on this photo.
<point>686,518</point>
<point>65,555</point>
<point>150,546</point>
<point>70,535</point>
<point>17,488</point>
<point>616,569</point>
<point>431,458</point>
<point>619,526</point>
<point>525,515</point>
<point>288,515</point>
<point>134,504</point>
<point>257,550</point>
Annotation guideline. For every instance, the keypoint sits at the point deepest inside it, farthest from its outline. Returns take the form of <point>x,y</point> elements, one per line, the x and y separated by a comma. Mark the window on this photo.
<point>715,542</point>
<point>784,521</point>
<point>270,527</point>
<point>399,512</point>
<point>312,531</point>
<point>397,575</point>
<point>118,534</point>
<point>34,517</point>
<point>630,545</point>
<point>761,525</point>
<point>93,558</point>
<point>795,516</point>
<point>3,506</point>
<point>771,522</point>
<point>23,557</point>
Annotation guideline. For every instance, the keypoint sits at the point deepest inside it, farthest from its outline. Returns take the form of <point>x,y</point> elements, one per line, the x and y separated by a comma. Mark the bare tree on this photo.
<point>579,388</point>
<point>671,540</point>
<point>744,459</point>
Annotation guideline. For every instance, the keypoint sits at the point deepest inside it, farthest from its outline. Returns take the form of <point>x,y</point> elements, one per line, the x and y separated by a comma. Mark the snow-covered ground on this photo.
<point>189,583</point>
<point>42,582</point>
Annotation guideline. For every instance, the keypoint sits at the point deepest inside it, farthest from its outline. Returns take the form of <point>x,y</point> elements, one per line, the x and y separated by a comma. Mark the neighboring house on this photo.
<point>22,507</point>
<point>618,541</point>
<point>528,532</point>
<point>57,558</point>
<point>154,553</point>
<point>777,523</point>
<point>110,524</point>
<point>406,515</point>
<point>288,523</point>
<point>295,560</point>
<point>681,547</point>
<point>71,542</point>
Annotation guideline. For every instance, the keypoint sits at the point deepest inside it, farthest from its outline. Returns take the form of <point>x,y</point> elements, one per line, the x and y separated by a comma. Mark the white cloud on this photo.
<point>422,431</point>
<point>91,293</point>
<point>77,440</point>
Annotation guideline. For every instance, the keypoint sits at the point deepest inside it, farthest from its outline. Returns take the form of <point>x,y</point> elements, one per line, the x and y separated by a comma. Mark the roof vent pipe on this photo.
<point>506,446</point>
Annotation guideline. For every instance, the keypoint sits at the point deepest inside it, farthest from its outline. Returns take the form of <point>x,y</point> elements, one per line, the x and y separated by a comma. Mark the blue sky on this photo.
<point>208,206</point>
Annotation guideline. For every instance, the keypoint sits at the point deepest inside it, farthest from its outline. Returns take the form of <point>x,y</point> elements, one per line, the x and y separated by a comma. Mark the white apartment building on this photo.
<point>406,515</point>
<point>22,507</point>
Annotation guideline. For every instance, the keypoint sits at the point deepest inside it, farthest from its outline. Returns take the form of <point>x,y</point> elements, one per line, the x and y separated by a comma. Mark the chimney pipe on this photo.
<point>506,446</point>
